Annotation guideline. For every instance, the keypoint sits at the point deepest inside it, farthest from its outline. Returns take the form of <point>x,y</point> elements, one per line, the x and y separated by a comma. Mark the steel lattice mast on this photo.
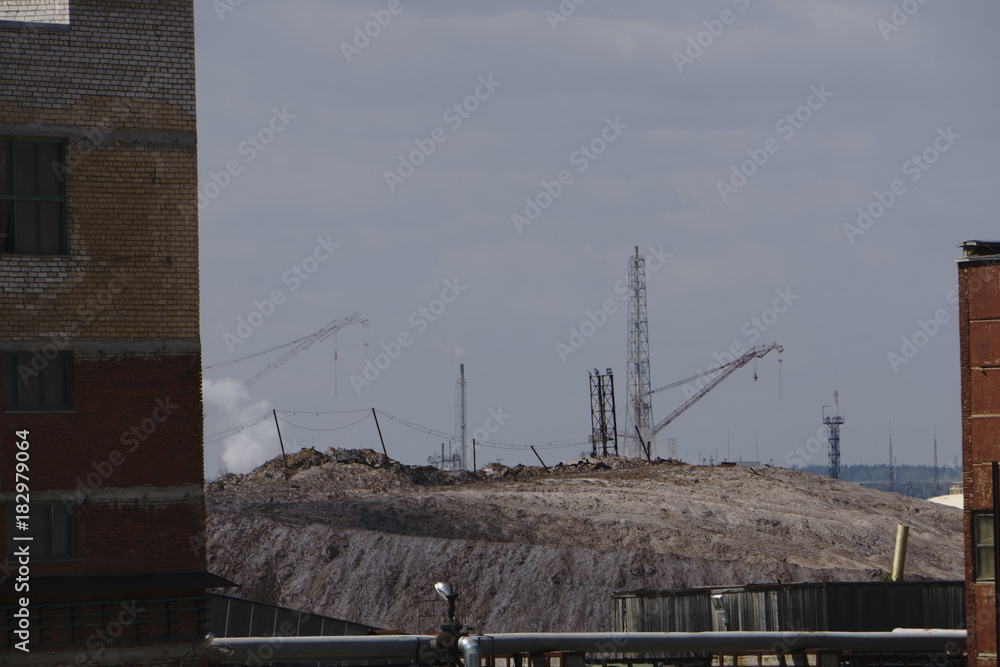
<point>833,424</point>
<point>638,408</point>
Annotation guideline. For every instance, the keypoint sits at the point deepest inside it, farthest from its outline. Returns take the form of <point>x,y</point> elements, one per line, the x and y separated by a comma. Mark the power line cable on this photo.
<point>336,428</point>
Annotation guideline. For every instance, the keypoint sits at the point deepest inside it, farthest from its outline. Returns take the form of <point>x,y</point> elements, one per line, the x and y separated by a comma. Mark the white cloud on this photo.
<point>228,404</point>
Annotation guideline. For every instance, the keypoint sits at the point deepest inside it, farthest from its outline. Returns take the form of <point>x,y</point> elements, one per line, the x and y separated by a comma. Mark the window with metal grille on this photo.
<point>51,527</point>
<point>983,545</point>
<point>33,382</point>
<point>32,197</point>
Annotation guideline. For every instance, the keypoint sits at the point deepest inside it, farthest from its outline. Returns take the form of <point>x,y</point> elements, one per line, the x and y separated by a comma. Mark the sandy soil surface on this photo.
<point>347,534</point>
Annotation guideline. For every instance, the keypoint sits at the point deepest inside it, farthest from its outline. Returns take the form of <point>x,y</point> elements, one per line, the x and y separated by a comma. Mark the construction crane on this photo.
<point>303,343</point>
<point>726,370</point>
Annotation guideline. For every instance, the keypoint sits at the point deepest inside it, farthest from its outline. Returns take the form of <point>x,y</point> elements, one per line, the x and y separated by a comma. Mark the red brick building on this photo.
<point>100,354</point>
<point>979,319</point>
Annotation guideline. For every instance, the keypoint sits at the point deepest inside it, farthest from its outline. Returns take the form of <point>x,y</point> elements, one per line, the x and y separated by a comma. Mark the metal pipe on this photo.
<point>899,557</point>
<point>648,642</point>
<point>469,646</point>
<point>419,648</point>
<point>241,650</point>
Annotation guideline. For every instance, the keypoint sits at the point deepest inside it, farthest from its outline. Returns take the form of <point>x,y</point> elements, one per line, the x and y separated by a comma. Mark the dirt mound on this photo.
<point>355,535</point>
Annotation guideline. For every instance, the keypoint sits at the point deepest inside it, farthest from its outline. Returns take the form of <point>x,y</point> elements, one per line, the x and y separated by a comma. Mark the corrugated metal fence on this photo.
<point>835,606</point>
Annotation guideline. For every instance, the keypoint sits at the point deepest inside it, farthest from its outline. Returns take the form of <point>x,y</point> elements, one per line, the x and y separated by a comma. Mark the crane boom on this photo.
<point>322,334</point>
<point>754,353</point>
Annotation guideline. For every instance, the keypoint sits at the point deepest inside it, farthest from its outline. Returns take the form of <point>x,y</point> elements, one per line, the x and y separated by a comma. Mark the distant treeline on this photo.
<point>915,481</point>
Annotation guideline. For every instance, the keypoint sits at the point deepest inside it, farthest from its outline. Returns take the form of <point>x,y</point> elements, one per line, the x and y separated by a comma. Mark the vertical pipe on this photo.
<point>474,467</point>
<point>280,442</point>
<point>899,558</point>
<point>469,646</point>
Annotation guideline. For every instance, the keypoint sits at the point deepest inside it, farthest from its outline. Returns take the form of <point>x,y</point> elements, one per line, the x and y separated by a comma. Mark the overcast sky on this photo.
<point>382,156</point>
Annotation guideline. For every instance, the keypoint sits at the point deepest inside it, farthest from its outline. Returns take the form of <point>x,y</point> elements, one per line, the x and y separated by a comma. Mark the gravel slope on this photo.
<point>537,551</point>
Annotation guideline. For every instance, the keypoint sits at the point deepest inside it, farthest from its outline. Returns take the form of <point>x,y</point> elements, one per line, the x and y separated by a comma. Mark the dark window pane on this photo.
<point>62,532</point>
<point>26,231</point>
<point>10,533</point>
<point>29,172</point>
<point>50,228</point>
<point>31,384</point>
<point>8,366</point>
<point>51,527</point>
<point>26,159</point>
<point>984,546</point>
<point>54,388</point>
<point>27,385</point>
<point>49,166</point>
<point>6,168</point>
<point>6,226</point>
<point>41,530</point>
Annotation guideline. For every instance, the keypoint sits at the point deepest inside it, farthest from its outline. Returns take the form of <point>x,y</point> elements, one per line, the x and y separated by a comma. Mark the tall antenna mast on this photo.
<point>638,408</point>
<point>833,424</point>
<point>937,486</point>
<point>460,422</point>
<point>892,465</point>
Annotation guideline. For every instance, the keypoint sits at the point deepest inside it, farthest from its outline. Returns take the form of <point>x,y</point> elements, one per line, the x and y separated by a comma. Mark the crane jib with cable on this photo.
<point>324,333</point>
<point>724,371</point>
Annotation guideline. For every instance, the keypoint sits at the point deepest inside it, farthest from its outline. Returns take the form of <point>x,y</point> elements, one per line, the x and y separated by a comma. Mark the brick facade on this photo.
<point>114,83</point>
<point>35,11</point>
<point>979,322</point>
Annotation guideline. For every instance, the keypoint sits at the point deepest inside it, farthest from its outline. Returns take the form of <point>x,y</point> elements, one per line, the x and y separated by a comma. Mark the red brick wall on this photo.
<point>93,460</point>
<point>979,336</point>
<point>113,395</point>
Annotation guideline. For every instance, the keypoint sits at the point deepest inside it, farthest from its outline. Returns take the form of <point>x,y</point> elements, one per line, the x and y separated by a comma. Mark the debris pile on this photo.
<point>353,534</point>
